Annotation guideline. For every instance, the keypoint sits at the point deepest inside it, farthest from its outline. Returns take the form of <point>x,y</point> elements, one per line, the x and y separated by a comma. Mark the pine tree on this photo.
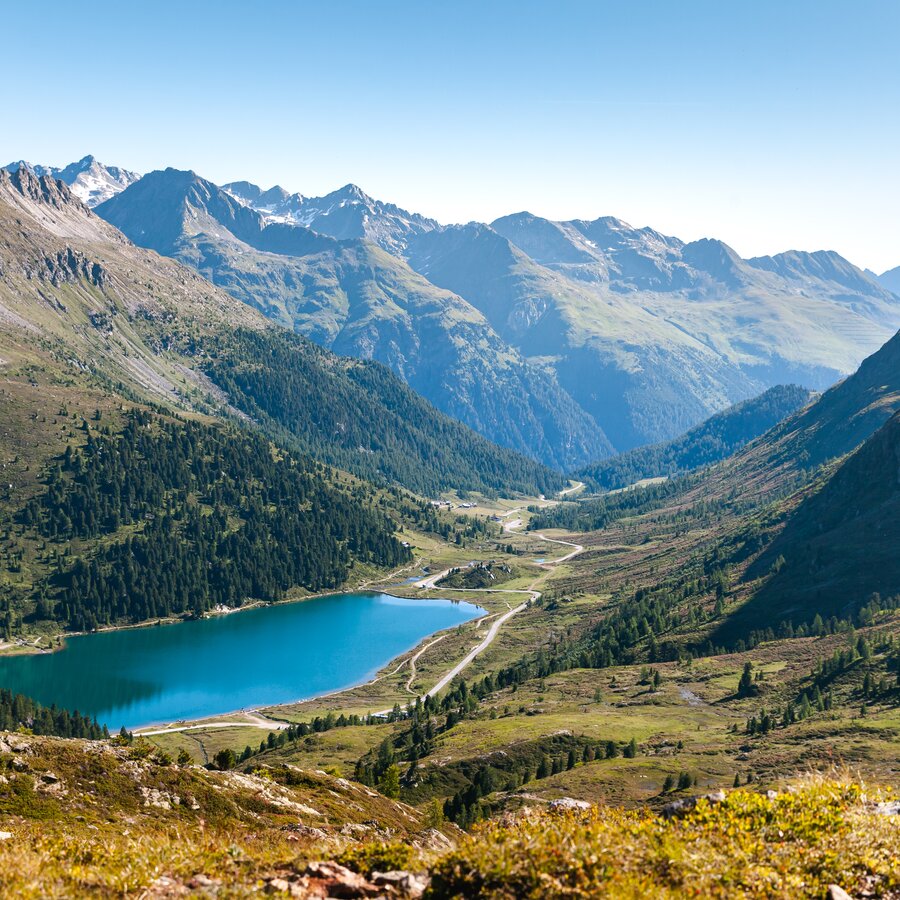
<point>390,782</point>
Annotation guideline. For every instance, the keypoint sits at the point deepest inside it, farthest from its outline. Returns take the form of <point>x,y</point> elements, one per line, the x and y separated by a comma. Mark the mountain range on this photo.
<point>80,301</point>
<point>568,341</point>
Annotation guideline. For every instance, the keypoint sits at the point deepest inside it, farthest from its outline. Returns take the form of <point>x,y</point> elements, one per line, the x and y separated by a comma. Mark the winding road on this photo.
<point>430,583</point>
<point>427,583</point>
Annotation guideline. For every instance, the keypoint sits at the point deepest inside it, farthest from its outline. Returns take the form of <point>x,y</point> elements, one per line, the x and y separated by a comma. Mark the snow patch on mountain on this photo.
<point>90,180</point>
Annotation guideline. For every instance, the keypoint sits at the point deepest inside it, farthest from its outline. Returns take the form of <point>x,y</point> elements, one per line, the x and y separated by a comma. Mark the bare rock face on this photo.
<point>67,266</point>
<point>42,188</point>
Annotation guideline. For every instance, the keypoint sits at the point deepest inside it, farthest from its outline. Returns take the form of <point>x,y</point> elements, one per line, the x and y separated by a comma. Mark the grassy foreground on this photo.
<point>89,818</point>
<point>790,845</point>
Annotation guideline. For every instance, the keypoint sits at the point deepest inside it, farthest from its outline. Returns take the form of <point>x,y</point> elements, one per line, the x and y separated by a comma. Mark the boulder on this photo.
<point>569,803</point>
<point>406,884</point>
<point>685,805</point>
<point>338,881</point>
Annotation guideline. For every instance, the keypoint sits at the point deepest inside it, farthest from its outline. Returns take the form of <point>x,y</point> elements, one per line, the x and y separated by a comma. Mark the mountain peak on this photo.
<point>351,192</point>
<point>40,188</point>
<point>90,180</point>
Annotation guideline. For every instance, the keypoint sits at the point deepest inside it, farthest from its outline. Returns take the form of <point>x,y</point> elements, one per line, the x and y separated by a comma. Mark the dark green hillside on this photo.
<point>717,437</point>
<point>839,547</point>
<point>18,711</point>
<point>359,416</point>
<point>168,517</point>
<point>844,416</point>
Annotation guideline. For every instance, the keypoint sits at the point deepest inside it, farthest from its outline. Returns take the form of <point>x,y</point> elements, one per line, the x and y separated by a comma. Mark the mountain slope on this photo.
<point>891,280</point>
<point>90,180</point>
<point>833,551</point>
<point>840,546</point>
<point>713,440</point>
<point>638,376</point>
<point>357,299</point>
<point>842,418</point>
<point>72,286</point>
<point>650,334</point>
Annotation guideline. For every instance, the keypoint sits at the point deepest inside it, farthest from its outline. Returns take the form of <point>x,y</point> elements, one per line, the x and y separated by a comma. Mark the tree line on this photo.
<point>216,515</point>
<point>20,712</point>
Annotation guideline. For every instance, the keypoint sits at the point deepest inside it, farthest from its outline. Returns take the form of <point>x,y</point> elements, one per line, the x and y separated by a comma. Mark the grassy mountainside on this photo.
<point>839,547</point>
<point>718,437</point>
<point>115,819</point>
<point>355,298</point>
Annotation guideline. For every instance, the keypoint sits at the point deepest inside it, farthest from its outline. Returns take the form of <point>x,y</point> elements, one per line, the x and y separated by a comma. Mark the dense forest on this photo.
<point>18,711</point>
<point>202,516</point>
<point>715,439</point>
<point>360,417</point>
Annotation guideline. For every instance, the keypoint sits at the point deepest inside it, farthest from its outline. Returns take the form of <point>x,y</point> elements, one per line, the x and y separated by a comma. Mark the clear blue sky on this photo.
<point>768,124</point>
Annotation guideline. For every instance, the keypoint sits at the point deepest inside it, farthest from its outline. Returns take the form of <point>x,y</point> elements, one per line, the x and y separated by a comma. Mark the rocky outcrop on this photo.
<point>67,266</point>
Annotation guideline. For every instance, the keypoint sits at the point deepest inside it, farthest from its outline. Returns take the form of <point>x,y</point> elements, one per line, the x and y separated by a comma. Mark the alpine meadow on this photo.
<point>458,539</point>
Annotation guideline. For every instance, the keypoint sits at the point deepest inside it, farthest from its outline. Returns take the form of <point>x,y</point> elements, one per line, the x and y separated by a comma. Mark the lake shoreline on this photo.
<point>11,648</point>
<point>290,652</point>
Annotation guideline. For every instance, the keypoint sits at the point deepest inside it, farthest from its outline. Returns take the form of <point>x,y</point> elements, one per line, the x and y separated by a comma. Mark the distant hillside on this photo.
<point>780,460</point>
<point>890,280</point>
<point>649,334</point>
<point>841,419</point>
<point>718,437</point>
<point>357,299</point>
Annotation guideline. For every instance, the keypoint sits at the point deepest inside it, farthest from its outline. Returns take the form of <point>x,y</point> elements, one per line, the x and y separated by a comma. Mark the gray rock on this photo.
<point>569,803</point>
<point>835,892</point>
<point>407,884</point>
<point>683,806</point>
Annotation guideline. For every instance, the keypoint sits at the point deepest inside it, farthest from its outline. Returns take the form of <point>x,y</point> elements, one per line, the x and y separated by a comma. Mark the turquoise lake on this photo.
<point>270,654</point>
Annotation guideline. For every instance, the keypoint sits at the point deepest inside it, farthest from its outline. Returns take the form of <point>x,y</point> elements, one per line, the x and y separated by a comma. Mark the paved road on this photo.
<point>255,722</point>
<point>429,583</point>
<point>488,640</point>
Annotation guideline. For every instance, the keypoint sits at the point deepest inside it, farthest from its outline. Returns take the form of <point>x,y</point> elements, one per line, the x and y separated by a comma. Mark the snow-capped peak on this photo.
<point>90,180</point>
